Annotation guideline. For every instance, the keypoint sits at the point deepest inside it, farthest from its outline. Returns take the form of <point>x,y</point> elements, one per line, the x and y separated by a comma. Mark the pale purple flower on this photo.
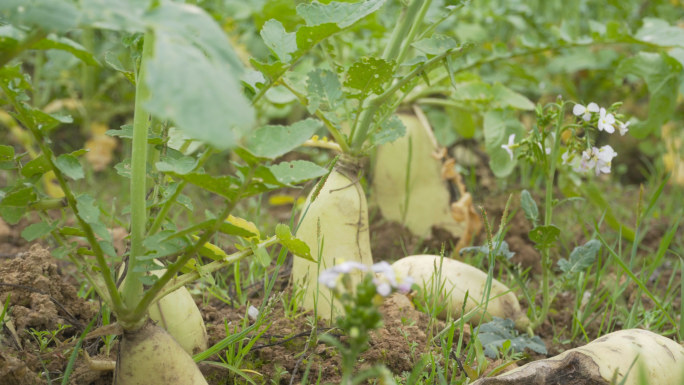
<point>604,156</point>
<point>622,127</point>
<point>329,276</point>
<point>509,147</point>
<point>606,121</point>
<point>585,112</point>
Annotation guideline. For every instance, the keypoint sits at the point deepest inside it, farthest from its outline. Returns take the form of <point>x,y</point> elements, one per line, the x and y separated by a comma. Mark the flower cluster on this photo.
<point>594,158</point>
<point>385,279</point>
<point>597,159</point>
<point>605,121</point>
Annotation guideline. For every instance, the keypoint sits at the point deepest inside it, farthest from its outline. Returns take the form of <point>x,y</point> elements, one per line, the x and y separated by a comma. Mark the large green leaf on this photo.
<point>279,41</point>
<point>290,173</point>
<point>324,90</point>
<point>659,32</point>
<point>68,45</point>
<point>69,165</point>
<point>662,75</point>
<point>498,126</point>
<point>49,15</point>
<point>200,93</point>
<point>435,45</point>
<point>368,75</point>
<point>342,14</point>
<point>273,141</point>
<point>494,334</point>
<point>36,230</point>
<point>581,258</point>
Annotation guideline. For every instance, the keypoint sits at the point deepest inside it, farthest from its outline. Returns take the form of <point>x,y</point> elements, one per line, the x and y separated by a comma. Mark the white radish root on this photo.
<point>457,278</point>
<point>627,355</point>
<point>423,202</point>
<point>150,356</point>
<point>337,220</point>
<point>178,314</point>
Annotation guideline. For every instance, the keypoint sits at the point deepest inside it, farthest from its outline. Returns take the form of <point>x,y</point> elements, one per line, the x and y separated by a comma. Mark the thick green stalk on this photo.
<point>548,213</point>
<point>365,118</point>
<point>132,288</point>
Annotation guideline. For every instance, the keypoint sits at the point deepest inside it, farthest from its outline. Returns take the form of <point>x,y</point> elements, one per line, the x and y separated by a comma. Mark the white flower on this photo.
<point>588,160</point>
<point>623,128</point>
<point>509,147</point>
<point>604,156</point>
<point>573,161</point>
<point>253,312</point>
<point>389,280</point>
<point>329,276</point>
<point>606,121</point>
<point>585,112</point>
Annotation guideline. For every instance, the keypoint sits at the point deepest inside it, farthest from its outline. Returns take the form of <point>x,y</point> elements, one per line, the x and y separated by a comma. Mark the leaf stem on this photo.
<point>548,214</point>
<point>132,287</point>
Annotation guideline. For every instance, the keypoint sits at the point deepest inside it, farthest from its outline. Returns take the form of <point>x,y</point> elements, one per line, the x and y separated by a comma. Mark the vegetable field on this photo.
<point>341,192</point>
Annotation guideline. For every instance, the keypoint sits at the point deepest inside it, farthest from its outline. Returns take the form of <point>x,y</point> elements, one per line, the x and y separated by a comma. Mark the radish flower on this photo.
<point>585,112</point>
<point>606,121</point>
<point>509,147</point>
<point>622,127</point>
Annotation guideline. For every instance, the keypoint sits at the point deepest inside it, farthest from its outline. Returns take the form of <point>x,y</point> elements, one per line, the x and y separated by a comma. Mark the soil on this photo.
<point>44,295</point>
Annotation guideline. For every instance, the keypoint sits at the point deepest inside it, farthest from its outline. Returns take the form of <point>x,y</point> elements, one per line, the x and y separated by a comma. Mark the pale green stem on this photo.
<point>414,29</point>
<point>548,213</point>
<point>132,287</point>
<point>364,120</point>
<point>161,215</point>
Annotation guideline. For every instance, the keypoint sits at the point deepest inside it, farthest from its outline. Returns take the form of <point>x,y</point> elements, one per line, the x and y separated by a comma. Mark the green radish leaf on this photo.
<point>279,41</point>
<point>112,61</point>
<point>529,206</point>
<point>6,153</point>
<point>369,75</point>
<point>208,105</point>
<point>324,91</point>
<point>68,45</point>
<point>240,227</point>
<point>123,168</point>
<point>90,212</point>
<point>309,36</point>
<point>544,236</point>
<point>10,37</point>
<point>70,166</point>
<point>207,101</point>
<point>126,132</point>
<point>35,231</point>
<point>11,215</point>
<point>37,166</point>
<point>19,197</point>
<point>289,173</point>
<point>342,14</point>
<point>224,186</point>
<point>501,252</point>
<point>497,128</point>
<point>659,32</point>
<point>504,97</point>
<point>389,131</point>
<point>295,245</point>
<point>162,244</point>
<point>181,166</point>
<point>49,15</point>
<point>435,45</point>
<point>270,70</point>
<point>261,255</point>
<point>581,258</point>
<point>273,141</point>
<point>662,75</point>
<point>494,334</point>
